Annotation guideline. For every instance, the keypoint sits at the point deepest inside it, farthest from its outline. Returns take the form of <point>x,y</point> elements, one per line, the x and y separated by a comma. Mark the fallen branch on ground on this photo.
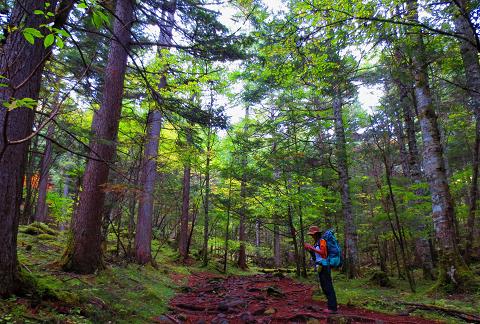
<point>448,311</point>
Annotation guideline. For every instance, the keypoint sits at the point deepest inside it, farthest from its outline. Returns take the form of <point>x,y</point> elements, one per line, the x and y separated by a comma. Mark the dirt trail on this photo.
<point>261,299</point>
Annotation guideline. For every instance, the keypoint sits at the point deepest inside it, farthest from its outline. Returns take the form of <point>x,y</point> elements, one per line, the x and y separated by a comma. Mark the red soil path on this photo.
<point>261,299</point>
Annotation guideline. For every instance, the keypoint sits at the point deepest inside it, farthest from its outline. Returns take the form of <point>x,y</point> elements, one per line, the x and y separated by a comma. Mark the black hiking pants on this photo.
<point>325,276</point>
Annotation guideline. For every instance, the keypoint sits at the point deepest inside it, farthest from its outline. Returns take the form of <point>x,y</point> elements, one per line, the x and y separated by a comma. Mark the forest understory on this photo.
<point>171,292</point>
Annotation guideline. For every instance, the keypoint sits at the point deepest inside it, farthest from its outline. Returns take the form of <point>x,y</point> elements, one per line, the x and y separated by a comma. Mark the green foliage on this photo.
<point>59,208</point>
<point>20,103</point>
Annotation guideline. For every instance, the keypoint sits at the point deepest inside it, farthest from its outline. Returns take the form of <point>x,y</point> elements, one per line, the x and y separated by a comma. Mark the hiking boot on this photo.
<point>329,311</point>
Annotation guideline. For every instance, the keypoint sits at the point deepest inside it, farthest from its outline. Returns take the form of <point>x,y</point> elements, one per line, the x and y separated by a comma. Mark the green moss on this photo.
<point>46,237</point>
<point>460,280</point>
<point>37,228</point>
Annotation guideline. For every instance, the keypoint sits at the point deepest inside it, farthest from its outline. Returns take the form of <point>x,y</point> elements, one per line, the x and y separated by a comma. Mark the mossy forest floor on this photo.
<point>128,293</point>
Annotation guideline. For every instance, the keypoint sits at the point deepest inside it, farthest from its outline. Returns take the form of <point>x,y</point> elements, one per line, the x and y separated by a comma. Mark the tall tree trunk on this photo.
<point>84,253</point>
<point>277,257</point>
<point>351,265</point>
<point>143,233</point>
<point>227,229</point>
<point>41,209</point>
<point>206,202</point>
<point>22,66</point>
<point>183,238</point>
<point>422,247</point>
<point>452,269</point>
<point>469,54</point>
<point>242,256</point>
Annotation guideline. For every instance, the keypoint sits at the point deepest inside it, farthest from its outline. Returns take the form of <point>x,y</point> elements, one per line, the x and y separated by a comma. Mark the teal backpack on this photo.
<point>334,258</point>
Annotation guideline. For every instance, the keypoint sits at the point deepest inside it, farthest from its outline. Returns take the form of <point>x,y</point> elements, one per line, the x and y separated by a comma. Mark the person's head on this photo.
<point>314,232</point>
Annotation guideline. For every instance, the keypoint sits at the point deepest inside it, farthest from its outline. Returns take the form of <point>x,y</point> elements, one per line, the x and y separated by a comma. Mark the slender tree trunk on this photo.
<point>190,233</point>
<point>227,233</point>
<point>183,237</point>
<point>351,265</point>
<point>257,238</point>
<point>452,268</point>
<point>471,65</point>
<point>42,208</point>
<point>293,234</point>
<point>206,203</point>
<point>22,65</point>
<point>276,244</point>
<point>302,239</point>
<point>84,253</point>
<point>277,258</point>
<point>242,256</point>
<point>400,234</point>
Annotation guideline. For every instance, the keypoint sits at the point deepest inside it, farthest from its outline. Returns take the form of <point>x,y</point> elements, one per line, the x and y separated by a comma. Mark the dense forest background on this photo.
<point>116,129</point>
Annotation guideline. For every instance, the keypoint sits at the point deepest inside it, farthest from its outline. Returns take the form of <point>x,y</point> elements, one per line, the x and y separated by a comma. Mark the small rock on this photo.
<point>270,311</point>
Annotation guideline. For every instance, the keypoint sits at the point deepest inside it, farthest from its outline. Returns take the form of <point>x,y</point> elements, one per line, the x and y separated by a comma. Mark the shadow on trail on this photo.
<point>261,299</point>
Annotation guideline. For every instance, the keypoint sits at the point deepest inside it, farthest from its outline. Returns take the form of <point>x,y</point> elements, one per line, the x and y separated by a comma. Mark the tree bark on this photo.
<point>471,65</point>
<point>143,233</point>
<point>22,65</point>
<point>30,192</point>
<point>84,253</point>
<point>242,256</point>
<point>351,264</point>
<point>183,237</point>
<point>206,203</point>
<point>227,228</point>
<point>422,248</point>
<point>42,208</point>
<point>452,269</point>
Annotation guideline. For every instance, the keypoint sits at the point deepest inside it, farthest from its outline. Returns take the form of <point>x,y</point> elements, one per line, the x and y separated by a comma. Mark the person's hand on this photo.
<point>307,246</point>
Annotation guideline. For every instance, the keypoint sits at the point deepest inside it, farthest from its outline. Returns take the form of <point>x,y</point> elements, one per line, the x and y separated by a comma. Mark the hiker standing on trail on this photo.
<point>324,261</point>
